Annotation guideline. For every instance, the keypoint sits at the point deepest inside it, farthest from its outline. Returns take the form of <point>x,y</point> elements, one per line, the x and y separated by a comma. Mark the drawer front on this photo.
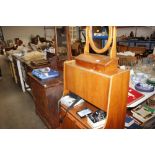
<point>70,122</point>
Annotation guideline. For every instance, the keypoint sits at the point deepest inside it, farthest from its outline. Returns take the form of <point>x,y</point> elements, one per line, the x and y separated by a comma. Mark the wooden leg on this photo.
<point>14,73</point>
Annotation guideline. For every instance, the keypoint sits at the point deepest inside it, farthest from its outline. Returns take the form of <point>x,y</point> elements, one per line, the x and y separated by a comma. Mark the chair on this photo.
<point>54,62</point>
<point>127,60</point>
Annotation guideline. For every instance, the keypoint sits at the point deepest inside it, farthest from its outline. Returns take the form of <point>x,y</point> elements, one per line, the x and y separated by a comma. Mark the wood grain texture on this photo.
<point>87,84</point>
<point>56,41</point>
<point>99,63</point>
<point>117,100</point>
<point>107,92</point>
<point>113,48</point>
<point>127,60</point>
<point>89,40</point>
<point>68,39</point>
<point>98,80</point>
<point>46,95</point>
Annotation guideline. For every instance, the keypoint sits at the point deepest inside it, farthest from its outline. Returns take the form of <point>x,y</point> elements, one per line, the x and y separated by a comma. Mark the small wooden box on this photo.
<point>96,62</point>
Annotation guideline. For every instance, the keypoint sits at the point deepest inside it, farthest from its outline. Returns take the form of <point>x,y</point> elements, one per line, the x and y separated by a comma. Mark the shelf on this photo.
<point>148,43</point>
<point>138,41</point>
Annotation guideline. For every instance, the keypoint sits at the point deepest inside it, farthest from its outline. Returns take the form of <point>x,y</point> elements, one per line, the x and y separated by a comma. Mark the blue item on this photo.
<point>45,75</point>
<point>135,126</point>
<point>102,37</point>
<point>143,87</point>
<point>129,121</point>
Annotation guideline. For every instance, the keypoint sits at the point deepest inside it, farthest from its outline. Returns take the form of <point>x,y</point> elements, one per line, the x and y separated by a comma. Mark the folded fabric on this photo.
<point>127,53</point>
<point>35,55</point>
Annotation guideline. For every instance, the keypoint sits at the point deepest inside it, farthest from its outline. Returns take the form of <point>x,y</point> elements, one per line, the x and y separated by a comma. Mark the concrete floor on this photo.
<point>17,110</point>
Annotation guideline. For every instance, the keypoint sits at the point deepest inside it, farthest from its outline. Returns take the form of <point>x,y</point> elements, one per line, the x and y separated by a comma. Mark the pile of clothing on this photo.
<point>34,55</point>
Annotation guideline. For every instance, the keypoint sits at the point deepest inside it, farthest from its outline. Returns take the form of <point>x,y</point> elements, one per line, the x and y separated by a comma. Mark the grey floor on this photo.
<point>17,110</point>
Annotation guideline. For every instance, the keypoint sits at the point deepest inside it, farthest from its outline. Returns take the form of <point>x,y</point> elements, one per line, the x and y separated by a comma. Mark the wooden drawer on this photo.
<point>70,122</point>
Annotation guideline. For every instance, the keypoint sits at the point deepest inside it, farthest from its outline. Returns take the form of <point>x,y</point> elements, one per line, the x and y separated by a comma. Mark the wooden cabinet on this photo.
<point>99,81</point>
<point>46,95</point>
<point>68,122</point>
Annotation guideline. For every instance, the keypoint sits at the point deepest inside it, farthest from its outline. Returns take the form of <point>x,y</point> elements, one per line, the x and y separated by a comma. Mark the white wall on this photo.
<point>49,33</point>
<point>141,31</point>
<point>24,32</point>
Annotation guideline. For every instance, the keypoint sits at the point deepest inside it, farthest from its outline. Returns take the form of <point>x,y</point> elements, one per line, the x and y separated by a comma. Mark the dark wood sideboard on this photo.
<point>46,95</point>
